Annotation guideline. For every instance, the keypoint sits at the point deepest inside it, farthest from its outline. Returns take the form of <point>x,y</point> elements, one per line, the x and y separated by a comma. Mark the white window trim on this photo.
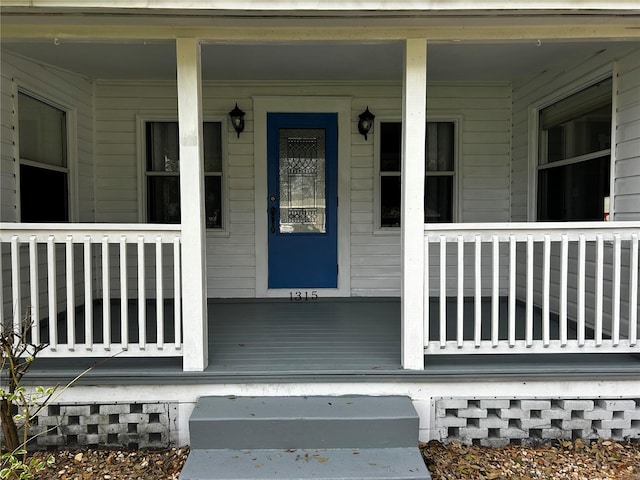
<point>141,121</point>
<point>457,120</point>
<point>70,169</point>
<point>534,134</point>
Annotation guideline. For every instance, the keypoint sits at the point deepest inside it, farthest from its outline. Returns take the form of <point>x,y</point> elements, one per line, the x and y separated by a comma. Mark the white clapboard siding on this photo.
<point>72,92</point>
<point>484,111</point>
<point>483,162</point>
<point>627,121</point>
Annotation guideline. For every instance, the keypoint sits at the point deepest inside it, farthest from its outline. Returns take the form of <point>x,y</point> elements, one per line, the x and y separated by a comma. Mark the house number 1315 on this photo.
<point>303,296</point>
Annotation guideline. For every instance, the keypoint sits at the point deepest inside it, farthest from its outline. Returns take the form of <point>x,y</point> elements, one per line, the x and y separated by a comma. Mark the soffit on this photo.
<point>318,61</point>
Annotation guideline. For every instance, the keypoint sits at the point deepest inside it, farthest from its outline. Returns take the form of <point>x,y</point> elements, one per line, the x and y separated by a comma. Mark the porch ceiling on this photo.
<point>328,61</point>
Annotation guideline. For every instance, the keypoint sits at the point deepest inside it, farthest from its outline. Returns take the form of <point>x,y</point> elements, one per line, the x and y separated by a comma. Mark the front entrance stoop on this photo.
<point>320,437</point>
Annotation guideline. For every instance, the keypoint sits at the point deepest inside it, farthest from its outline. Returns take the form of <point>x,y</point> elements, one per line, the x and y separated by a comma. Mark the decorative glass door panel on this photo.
<point>302,205</point>
<point>302,181</point>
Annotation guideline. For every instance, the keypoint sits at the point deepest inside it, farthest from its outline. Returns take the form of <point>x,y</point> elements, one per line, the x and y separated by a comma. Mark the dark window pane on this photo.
<point>390,201</point>
<point>43,195</point>
<point>577,125</point>
<point>213,201</point>
<point>212,147</point>
<point>440,146</point>
<point>390,146</point>
<point>574,192</point>
<point>162,147</point>
<point>588,133</point>
<point>163,199</point>
<point>43,132</point>
<point>438,203</point>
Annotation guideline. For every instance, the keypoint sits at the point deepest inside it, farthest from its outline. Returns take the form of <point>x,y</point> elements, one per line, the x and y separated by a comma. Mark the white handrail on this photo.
<point>63,313</point>
<point>546,287</point>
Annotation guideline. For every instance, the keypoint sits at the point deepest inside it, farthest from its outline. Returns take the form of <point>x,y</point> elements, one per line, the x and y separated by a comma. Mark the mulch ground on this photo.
<point>602,460</point>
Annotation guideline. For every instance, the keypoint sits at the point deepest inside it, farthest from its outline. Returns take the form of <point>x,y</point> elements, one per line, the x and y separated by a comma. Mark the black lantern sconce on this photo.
<point>237,119</point>
<point>365,122</point>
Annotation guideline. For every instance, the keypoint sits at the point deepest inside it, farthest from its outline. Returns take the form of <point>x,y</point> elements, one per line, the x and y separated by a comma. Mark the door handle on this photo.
<point>272,211</point>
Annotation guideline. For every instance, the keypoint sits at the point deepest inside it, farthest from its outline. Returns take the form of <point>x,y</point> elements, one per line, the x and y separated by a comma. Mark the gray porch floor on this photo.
<point>257,340</point>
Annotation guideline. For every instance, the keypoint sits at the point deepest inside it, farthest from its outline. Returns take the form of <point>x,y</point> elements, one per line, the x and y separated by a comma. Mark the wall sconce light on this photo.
<point>237,119</point>
<point>366,122</point>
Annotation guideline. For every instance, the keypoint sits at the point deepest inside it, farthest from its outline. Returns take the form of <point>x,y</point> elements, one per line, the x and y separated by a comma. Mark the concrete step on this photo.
<point>319,464</point>
<point>303,422</point>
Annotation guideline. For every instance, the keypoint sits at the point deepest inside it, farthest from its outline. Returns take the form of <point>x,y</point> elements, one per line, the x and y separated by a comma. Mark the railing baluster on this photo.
<point>16,287</point>
<point>443,291</point>
<point>177,315</point>
<point>512,291</point>
<point>124,297</point>
<point>615,300</point>
<point>1,291</point>
<point>71,307</point>
<point>546,280</point>
<point>633,291</point>
<point>34,293</point>
<point>88,295</point>
<point>477,300</point>
<point>564,272</point>
<point>495,293</point>
<point>581,289</point>
<point>599,286</point>
<point>426,300</point>
<point>142,297</point>
<point>106,294</point>
<point>52,293</point>
<point>159,295</point>
<point>460,327</point>
<point>529,321</point>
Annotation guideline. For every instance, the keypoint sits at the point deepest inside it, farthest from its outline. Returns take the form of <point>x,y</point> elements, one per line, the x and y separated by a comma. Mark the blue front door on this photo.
<point>302,202</point>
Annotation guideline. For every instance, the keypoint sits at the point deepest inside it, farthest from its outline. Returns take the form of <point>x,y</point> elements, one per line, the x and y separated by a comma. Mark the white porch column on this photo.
<point>414,118</point>
<point>194,281</point>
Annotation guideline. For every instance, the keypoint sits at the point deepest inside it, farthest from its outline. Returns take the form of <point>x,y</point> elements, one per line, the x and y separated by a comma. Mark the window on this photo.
<point>439,175</point>
<point>44,173</point>
<point>575,156</point>
<point>163,173</point>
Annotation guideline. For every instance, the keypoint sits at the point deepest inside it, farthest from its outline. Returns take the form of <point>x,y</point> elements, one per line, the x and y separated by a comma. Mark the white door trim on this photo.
<point>294,104</point>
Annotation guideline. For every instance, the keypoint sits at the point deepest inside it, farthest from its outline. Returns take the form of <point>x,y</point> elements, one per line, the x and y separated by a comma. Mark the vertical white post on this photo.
<point>495,291</point>
<point>194,281</point>
<point>512,291</point>
<point>581,288</point>
<point>159,296</point>
<point>71,301</point>
<point>460,333</point>
<point>142,296</point>
<point>425,276</point>
<point>633,291</point>
<point>35,294</point>
<point>52,293</point>
<point>443,291</point>
<point>88,295</point>
<point>177,294</point>
<point>546,282</point>
<point>106,294</point>
<point>124,294</point>
<point>477,300</point>
<point>16,290</point>
<point>414,123</point>
<point>615,307</point>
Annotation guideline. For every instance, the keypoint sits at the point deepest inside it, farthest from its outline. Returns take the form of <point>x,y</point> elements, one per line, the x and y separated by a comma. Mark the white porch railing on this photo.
<point>531,288</point>
<point>94,289</point>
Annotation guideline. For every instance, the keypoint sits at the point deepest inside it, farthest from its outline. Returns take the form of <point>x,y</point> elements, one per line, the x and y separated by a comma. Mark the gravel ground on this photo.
<point>602,460</point>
